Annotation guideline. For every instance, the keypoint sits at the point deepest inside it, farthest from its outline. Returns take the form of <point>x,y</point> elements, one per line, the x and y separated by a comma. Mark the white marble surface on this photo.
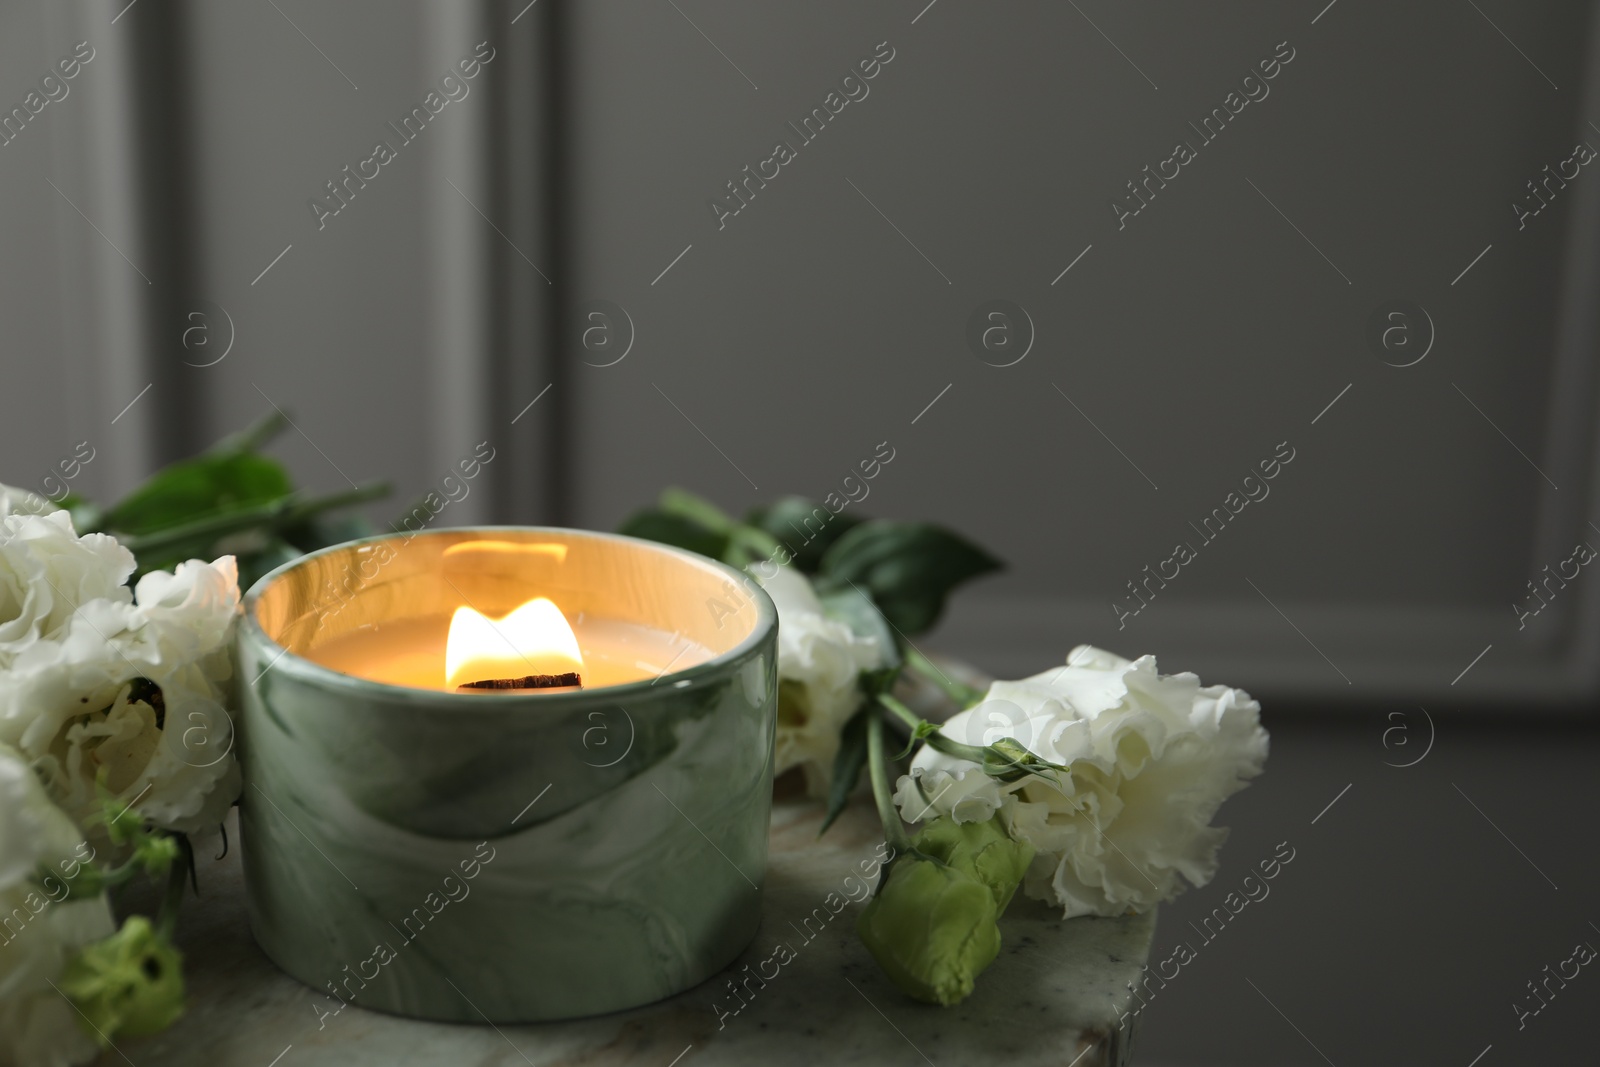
<point>1053,993</point>
<point>1051,999</point>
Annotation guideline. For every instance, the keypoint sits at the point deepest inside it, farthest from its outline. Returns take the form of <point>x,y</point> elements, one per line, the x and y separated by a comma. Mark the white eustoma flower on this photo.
<point>819,663</point>
<point>1150,759</point>
<point>40,931</point>
<point>14,501</point>
<point>46,572</point>
<point>172,749</point>
<point>74,643</point>
<point>190,614</point>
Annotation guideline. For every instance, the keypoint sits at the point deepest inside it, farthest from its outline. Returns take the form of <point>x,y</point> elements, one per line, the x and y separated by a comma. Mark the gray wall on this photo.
<point>1196,338</point>
<point>825,317</point>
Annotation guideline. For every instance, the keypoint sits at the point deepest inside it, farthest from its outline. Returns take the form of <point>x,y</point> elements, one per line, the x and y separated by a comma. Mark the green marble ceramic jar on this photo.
<point>509,857</point>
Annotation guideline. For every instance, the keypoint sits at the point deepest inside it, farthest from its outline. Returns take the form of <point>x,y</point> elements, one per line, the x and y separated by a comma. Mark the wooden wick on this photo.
<point>530,681</point>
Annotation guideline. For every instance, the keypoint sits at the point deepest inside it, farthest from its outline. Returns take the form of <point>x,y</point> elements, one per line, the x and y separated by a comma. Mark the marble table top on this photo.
<point>1052,997</point>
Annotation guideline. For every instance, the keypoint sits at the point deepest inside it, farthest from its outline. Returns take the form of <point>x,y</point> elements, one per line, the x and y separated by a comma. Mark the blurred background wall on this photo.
<point>1160,338</point>
<point>1153,354</point>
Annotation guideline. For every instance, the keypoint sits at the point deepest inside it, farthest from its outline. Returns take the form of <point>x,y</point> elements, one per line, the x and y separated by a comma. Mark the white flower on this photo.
<point>170,753</point>
<point>47,571</point>
<point>14,501</point>
<point>40,930</point>
<point>819,663</point>
<point>74,643</point>
<point>191,610</point>
<point>173,750</point>
<point>1150,759</point>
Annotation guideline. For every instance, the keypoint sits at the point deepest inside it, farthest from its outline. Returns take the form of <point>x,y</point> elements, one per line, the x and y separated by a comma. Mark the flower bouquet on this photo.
<point>116,741</point>
<point>1091,786</point>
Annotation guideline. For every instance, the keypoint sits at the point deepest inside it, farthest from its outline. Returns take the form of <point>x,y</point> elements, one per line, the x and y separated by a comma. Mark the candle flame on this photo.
<point>534,639</point>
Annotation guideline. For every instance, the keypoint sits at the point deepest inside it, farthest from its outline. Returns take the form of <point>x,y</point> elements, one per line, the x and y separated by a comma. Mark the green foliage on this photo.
<point>198,488</point>
<point>684,520</point>
<point>806,527</point>
<point>652,524</point>
<point>905,569</point>
<point>919,733</point>
<point>230,500</point>
<point>151,852</point>
<point>696,509</point>
<point>908,568</point>
<point>847,765</point>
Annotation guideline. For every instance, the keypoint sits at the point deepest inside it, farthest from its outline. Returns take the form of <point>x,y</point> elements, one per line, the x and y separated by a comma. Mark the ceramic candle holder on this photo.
<point>504,856</point>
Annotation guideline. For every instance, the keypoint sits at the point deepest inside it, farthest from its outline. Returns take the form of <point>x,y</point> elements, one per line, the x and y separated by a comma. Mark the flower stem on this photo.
<point>251,437</point>
<point>286,511</point>
<point>167,919</point>
<point>122,874</point>
<point>920,727</point>
<point>878,763</point>
<point>964,695</point>
<point>901,712</point>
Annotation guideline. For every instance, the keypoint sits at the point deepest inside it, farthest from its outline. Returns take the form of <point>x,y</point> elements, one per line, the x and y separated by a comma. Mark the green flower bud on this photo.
<point>983,850</point>
<point>932,929</point>
<point>130,984</point>
<point>1009,760</point>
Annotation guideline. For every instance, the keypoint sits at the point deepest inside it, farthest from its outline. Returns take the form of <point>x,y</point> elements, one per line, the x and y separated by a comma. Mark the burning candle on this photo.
<point>533,647</point>
<point>447,651</point>
<point>613,832</point>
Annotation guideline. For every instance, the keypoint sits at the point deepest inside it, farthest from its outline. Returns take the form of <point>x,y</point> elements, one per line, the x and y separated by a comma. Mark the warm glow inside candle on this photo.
<point>455,612</point>
<point>411,652</point>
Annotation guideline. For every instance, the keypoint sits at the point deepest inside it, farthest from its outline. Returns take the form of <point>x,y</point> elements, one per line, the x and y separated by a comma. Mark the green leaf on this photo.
<point>242,531</point>
<point>675,530</point>
<point>847,764</point>
<point>907,567</point>
<point>696,509</point>
<point>876,683</point>
<point>741,544</point>
<point>919,733</point>
<point>252,437</point>
<point>199,488</point>
<point>748,544</point>
<point>805,527</point>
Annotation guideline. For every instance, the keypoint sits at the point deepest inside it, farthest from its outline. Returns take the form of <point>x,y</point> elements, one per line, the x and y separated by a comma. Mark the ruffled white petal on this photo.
<point>72,638</point>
